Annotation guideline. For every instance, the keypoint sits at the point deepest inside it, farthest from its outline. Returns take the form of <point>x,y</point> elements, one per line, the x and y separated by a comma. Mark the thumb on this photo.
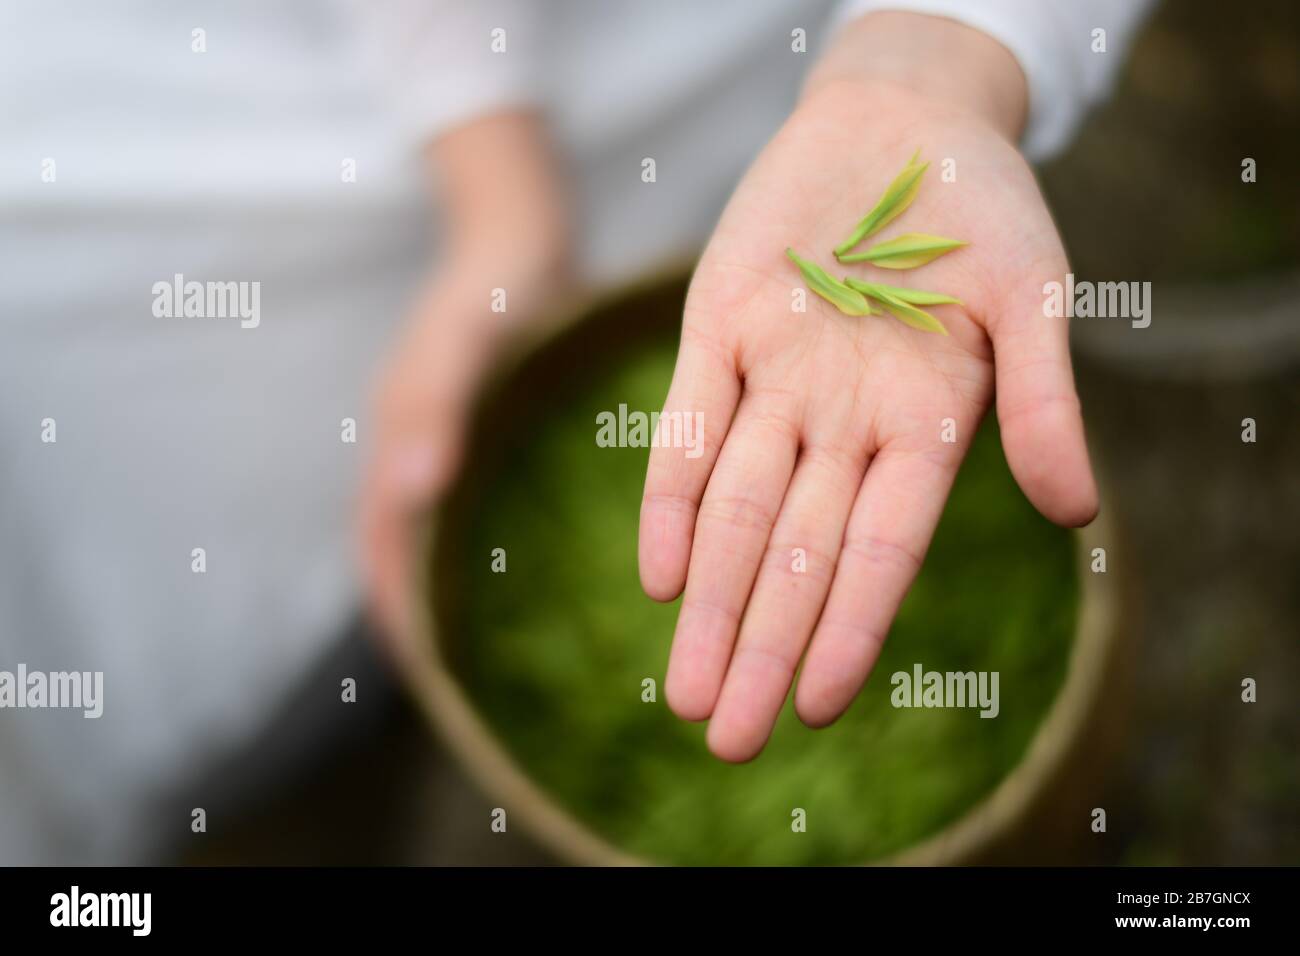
<point>406,477</point>
<point>1038,408</point>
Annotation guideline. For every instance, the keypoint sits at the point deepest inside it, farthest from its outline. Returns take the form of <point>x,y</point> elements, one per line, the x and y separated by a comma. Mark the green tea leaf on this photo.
<point>855,284</point>
<point>908,251</point>
<point>910,314</point>
<point>910,296</point>
<point>849,301</point>
<point>897,197</point>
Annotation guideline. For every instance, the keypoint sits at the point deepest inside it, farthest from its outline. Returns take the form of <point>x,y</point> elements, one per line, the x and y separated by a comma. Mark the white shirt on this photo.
<point>133,148</point>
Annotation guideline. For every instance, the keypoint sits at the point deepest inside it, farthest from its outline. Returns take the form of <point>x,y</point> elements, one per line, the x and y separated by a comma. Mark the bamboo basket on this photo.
<point>1007,821</point>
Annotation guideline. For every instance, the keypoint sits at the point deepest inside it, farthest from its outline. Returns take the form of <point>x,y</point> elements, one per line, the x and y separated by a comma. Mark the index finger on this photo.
<point>696,417</point>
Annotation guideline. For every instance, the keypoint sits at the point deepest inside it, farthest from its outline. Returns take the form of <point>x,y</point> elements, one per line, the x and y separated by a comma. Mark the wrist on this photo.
<point>505,209</point>
<point>536,259</point>
<point>934,58</point>
<point>478,295</point>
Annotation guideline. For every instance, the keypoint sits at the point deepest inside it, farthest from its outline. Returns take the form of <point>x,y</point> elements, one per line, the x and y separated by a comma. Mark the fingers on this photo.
<point>735,520</point>
<point>888,533</point>
<point>406,474</point>
<point>788,595</point>
<point>705,389</point>
<point>1038,409</point>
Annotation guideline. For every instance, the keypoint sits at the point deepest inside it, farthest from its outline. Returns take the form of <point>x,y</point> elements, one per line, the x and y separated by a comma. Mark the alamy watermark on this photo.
<point>922,688</point>
<point>626,429</point>
<point>1101,300</point>
<point>74,908</point>
<point>179,299</point>
<point>71,690</point>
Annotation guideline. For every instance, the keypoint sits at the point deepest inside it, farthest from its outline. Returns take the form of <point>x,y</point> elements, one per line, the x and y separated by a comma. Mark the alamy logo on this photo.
<point>73,690</point>
<point>923,688</point>
<point>1102,300</point>
<point>662,430</point>
<point>74,908</point>
<point>208,300</point>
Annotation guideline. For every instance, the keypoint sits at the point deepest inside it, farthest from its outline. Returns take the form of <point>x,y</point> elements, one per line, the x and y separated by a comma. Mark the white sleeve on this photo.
<point>1054,42</point>
<point>445,62</point>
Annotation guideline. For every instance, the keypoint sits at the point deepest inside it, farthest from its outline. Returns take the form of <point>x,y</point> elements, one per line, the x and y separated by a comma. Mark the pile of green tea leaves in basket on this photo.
<point>555,653</point>
<point>854,296</point>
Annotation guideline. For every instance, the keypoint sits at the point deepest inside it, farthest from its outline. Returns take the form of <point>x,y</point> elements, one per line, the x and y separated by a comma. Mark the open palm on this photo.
<point>830,441</point>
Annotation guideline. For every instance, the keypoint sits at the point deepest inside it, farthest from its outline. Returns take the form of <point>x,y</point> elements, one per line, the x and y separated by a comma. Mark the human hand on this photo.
<point>507,229</point>
<point>822,431</point>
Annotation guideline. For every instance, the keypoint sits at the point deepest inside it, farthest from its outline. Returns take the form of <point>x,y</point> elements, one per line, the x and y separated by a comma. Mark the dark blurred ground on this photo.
<point>1151,191</point>
<point>1152,187</point>
<point>1210,527</point>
